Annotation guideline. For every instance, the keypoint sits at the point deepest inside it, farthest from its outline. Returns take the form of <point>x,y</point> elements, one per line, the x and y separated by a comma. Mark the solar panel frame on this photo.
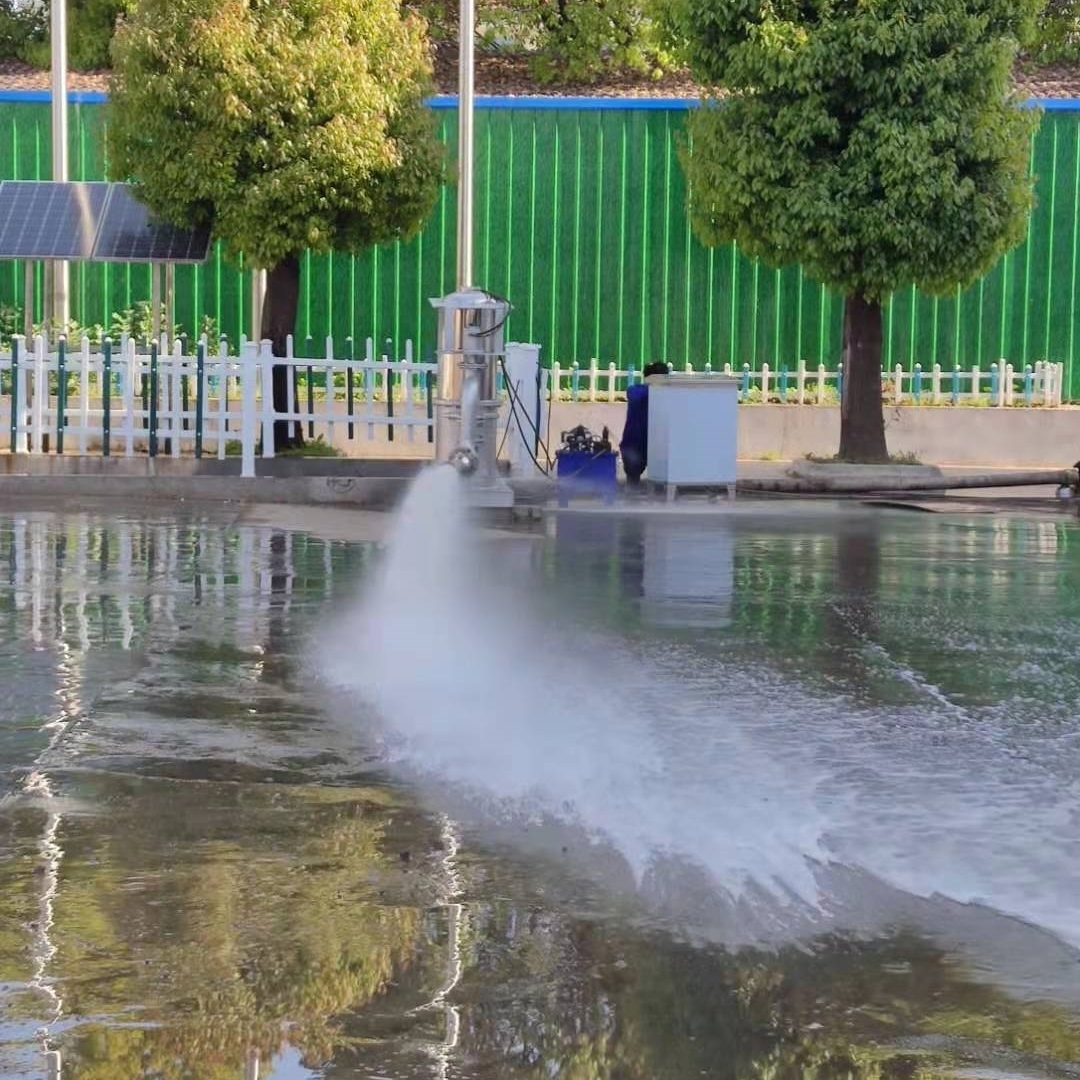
<point>42,220</point>
<point>90,221</point>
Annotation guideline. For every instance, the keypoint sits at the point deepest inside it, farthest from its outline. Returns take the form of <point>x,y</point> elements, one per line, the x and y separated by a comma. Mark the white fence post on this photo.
<point>765,384</point>
<point>555,382</point>
<point>820,383</point>
<point>41,394</point>
<point>331,391</point>
<point>408,376</point>
<point>223,366</point>
<point>176,391</point>
<point>1008,378</point>
<point>249,368</point>
<point>84,392</point>
<point>128,365</point>
<point>266,388</point>
<point>290,380</point>
<point>800,382</point>
<point>22,384</point>
<point>935,384</point>
<point>898,384</point>
<point>369,386</point>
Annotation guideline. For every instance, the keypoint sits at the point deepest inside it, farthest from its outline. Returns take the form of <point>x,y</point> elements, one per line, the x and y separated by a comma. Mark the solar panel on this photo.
<point>50,221</point>
<point>129,233</point>
<point>89,221</point>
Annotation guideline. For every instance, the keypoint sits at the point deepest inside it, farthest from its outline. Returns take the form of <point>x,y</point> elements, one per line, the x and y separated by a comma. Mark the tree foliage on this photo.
<point>874,142</point>
<point>581,41</point>
<point>24,32</point>
<point>283,126</point>
<point>1057,34</point>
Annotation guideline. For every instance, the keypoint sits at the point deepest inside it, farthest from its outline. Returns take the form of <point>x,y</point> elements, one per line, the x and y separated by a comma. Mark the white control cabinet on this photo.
<point>693,432</point>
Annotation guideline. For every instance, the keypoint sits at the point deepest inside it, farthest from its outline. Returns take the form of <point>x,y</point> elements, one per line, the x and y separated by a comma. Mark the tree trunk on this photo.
<point>862,417</point>
<point>278,322</point>
<point>851,621</point>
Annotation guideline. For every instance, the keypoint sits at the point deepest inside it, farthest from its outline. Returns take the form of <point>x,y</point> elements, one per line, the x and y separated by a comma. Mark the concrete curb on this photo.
<point>361,492</point>
<point>370,493</point>
<point>206,468</point>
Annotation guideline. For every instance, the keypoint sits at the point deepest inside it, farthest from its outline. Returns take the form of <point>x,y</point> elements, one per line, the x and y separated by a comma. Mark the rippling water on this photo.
<point>791,793</point>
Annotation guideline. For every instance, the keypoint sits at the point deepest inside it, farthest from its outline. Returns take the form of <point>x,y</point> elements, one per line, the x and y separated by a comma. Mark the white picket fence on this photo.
<point>164,400</point>
<point>171,400</point>
<point>1039,384</point>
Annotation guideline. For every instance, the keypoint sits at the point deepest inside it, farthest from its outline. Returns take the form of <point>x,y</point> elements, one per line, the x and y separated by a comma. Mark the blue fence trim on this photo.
<point>508,101</point>
<point>44,97</point>
<point>579,104</point>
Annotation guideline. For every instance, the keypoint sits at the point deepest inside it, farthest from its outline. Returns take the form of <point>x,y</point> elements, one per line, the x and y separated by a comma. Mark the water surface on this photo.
<point>779,795</point>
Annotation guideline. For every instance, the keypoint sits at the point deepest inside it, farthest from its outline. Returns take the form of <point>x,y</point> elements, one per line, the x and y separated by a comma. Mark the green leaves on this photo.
<point>285,126</point>
<point>876,143</point>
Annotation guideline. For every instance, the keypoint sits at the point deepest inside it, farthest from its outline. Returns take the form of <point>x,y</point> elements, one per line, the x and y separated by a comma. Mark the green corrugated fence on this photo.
<point>581,223</point>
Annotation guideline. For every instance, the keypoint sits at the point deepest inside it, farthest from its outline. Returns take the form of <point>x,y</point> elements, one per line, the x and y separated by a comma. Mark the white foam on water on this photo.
<point>476,690</point>
<point>773,792</point>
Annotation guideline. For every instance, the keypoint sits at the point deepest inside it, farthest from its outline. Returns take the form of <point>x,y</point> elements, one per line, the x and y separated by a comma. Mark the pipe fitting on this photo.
<point>465,460</point>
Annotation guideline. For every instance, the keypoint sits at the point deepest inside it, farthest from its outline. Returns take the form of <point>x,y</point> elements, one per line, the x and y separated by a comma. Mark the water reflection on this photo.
<point>974,607</point>
<point>195,882</point>
<point>675,575</point>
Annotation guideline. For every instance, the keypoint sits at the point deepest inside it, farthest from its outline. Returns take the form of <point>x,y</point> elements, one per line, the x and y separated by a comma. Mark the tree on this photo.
<point>582,41</point>
<point>284,126</point>
<point>1057,37</point>
<point>876,142</point>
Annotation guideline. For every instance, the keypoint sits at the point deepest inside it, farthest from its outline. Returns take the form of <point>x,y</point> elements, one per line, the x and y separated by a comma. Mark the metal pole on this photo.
<point>465,145</point>
<point>155,302</point>
<point>170,299</point>
<point>28,301</point>
<point>258,299</point>
<point>58,39</point>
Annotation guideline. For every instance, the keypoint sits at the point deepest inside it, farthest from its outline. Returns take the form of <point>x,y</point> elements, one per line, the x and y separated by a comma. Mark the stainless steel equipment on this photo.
<point>471,343</point>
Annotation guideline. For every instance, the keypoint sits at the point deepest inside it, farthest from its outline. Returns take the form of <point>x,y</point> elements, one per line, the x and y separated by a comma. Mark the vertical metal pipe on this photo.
<point>170,300</point>
<point>465,144</point>
<point>258,300</point>
<point>28,300</point>
<point>155,302</point>
<point>58,40</point>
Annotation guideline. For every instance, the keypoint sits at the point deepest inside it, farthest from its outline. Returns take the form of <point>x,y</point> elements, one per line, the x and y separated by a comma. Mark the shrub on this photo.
<point>90,30</point>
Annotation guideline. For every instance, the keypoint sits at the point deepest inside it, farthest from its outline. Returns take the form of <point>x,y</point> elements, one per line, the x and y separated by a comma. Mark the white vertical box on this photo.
<point>693,431</point>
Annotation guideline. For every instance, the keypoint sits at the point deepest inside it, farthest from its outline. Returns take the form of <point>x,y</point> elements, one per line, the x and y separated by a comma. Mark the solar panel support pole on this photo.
<point>170,299</point>
<point>58,41</point>
<point>28,299</point>
<point>155,301</point>
<point>258,300</point>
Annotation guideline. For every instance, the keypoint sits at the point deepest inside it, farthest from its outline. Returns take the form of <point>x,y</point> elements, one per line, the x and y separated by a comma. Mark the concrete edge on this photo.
<point>372,493</point>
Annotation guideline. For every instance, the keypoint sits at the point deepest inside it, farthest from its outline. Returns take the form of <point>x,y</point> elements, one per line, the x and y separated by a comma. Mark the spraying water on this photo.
<point>529,724</point>
<point>788,818</point>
